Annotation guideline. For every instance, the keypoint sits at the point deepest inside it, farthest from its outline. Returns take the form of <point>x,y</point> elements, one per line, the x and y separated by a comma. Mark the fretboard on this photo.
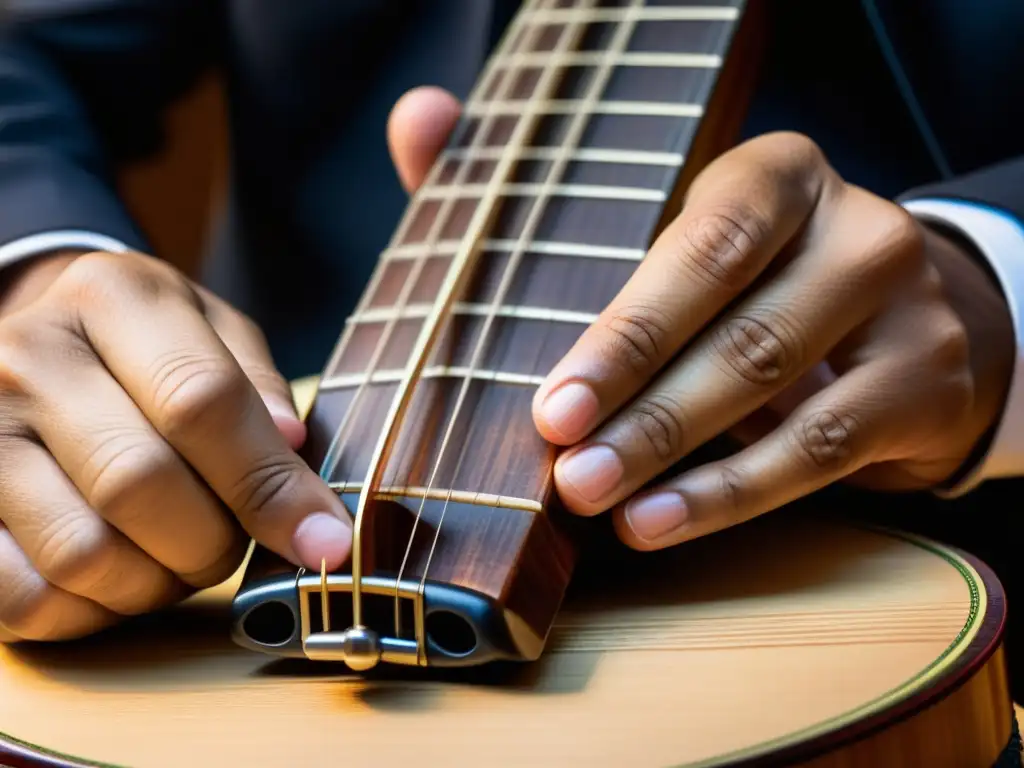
<point>614,92</point>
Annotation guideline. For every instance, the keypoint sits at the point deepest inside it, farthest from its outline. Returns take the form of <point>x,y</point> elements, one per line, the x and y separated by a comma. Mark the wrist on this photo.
<point>23,283</point>
<point>974,293</point>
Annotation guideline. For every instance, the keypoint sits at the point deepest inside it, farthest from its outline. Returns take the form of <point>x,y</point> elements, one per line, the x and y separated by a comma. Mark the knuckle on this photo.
<point>949,357</point>
<point>950,344</point>
<point>897,247</point>
<point>90,278</point>
<point>77,554</point>
<point>826,440</point>
<point>33,346</point>
<point>720,247</point>
<point>219,567</point>
<point>121,469</point>
<point>636,336</point>
<point>903,233</point>
<point>17,340</point>
<point>797,149</point>
<point>757,350</point>
<point>194,390</point>
<point>959,400</point>
<point>731,490</point>
<point>264,484</point>
<point>659,423</point>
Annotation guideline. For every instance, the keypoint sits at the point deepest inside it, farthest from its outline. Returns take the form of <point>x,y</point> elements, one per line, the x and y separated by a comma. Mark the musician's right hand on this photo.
<point>144,430</point>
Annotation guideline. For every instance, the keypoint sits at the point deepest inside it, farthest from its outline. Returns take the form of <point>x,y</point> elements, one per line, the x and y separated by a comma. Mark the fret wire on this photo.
<point>518,311</point>
<point>543,247</point>
<point>590,191</point>
<point>590,15</point>
<point>573,106</point>
<point>391,376</point>
<point>438,494</point>
<point>637,59</point>
<point>623,156</point>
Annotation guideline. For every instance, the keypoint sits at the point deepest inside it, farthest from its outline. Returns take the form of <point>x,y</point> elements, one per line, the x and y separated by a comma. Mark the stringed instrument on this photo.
<point>449,638</point>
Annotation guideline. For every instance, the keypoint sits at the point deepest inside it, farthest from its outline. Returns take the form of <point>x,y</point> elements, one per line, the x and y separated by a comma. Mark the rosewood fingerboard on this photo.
<point>614,93</point>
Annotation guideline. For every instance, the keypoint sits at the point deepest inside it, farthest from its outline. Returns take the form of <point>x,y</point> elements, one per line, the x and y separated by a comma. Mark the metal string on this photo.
<point>504,90</point>
<point>574,134</point>
<point>340,438</point>
<point>337,445</point>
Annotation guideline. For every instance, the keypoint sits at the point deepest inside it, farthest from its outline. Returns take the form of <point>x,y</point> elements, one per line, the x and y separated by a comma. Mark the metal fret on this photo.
<point>419,311</point>
<point>587,15</point>
<point>546,247</point>
<point>347,380</point>
<point>595,191</point>
<point>445,494</point>
<point>573,106</point>
<point>594,58</point>
<point>623,156</point>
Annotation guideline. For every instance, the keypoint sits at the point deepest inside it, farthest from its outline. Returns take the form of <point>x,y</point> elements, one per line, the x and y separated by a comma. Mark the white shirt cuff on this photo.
<point>1000,238</point>
<point>47,242</point>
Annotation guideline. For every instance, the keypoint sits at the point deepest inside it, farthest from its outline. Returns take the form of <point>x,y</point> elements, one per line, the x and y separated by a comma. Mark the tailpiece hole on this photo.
<point>450,633</point>
<point>270,623</point>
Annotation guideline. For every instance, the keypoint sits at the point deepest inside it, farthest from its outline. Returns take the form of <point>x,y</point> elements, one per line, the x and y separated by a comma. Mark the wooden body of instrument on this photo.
<point>780,642</point>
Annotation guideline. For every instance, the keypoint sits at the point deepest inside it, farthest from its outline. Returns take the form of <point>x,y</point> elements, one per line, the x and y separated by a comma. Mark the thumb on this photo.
<point>418,128</point>
<point>246,342</point>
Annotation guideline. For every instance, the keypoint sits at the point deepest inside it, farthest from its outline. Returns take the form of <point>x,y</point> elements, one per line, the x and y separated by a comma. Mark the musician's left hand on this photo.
<point>836,337</point>
<point>832,334</point>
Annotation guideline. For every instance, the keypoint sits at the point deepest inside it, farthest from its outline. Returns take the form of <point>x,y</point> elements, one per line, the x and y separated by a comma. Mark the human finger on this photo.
<point>247,343</point>
<point>172,363</point>
<point>122,467</point>
<point>33,609</point>
<point>67,543</point>
<point>847,267</point>
<point>859,420</point>
<point>740,213</point>
<point>418,128</point>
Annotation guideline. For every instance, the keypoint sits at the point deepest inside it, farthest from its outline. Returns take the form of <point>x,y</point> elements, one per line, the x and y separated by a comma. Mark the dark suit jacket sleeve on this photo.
<point>998,186</point>
<point>83,84</point>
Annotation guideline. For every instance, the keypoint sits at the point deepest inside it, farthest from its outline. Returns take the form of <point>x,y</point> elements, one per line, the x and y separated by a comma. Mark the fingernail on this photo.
<point>651,517</point>
<point>322,536</point>
<point>287,421</point>
<point>593,472</point>
<point>570,410</point>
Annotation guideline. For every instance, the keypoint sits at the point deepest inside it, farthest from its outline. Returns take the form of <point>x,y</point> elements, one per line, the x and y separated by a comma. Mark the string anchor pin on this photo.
<point>361,648</point>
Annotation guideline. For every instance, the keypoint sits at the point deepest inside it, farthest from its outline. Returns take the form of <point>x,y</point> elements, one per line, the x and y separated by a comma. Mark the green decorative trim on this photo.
<point>894,696</point>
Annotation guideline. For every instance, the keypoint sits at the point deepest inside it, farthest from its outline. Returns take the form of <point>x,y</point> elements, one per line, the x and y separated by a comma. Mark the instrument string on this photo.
<point>503,90</point>
<point>455,278</point>
<point>342,433</point>
<point>574,135</point>
<point>441,219</point>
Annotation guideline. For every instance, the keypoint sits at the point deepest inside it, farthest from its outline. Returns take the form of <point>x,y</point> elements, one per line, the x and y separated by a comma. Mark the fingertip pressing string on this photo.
<point>906,90</point>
